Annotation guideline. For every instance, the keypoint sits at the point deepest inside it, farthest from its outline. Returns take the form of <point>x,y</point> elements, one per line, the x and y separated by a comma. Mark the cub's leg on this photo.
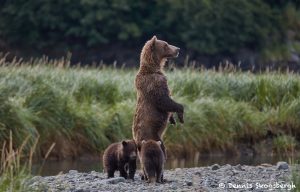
<point>132,169</point>
<point>122,170</point>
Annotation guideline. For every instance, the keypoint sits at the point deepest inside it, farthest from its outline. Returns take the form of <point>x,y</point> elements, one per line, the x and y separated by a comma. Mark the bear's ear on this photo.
<point>143,142</point>
<point>158,142</point>
<point>152,42</point>
<point>124,143</point>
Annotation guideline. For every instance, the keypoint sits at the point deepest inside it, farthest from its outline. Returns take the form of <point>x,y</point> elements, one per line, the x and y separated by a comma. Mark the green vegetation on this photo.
<point>206,27</point>
<point>15,173</point>
<point>296,174</point>
<point>296,181</point>
<point>85,109</point>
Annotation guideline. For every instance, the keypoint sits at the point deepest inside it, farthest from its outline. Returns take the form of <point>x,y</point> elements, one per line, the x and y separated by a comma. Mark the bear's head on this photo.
<point>155,53</point>
<point>129,149</point>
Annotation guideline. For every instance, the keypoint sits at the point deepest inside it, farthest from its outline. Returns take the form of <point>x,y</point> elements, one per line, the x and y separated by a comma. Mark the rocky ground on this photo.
<point>213,178</point>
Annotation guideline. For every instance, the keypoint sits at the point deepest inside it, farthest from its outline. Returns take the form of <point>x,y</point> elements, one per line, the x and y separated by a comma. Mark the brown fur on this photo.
<point>152,161</point>
<point>154,105</point>
<point>120,156</point>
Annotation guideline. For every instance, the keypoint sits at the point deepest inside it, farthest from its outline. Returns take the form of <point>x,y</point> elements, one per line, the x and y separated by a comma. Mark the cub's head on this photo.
<point>150,144</point>
<point>155,53</point>
<point>129,149</point>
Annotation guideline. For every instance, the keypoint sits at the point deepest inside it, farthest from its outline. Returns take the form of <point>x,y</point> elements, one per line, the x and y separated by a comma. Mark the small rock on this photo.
<point>281,165</point>
<point>235,172</point>
<point>173,186</point>
<point>198,173</point>
<point>73,171</point>
<point>114,180</point>
<point>215,167</point>
<point>189,183</point>
<point>35,179</point>
<point>240,167</point>
<point>51,178</point>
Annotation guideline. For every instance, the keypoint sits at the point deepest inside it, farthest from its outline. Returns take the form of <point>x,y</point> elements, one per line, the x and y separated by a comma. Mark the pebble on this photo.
<point>73,171</point>
<point>240,167</point>
<point>215,167</point>
<point>189,183</point>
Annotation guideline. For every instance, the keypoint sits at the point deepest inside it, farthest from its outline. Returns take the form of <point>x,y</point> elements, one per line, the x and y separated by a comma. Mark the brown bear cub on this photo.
<point>120,156</point>
<point>152,161</point>
<point>154,106</point>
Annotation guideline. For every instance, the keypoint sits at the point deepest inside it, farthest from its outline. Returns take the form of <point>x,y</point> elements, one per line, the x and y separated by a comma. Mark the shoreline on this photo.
<point>210,178</point>
<point>54,167</point>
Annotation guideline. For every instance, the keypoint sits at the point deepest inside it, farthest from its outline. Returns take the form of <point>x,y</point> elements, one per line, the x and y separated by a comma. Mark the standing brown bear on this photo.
<point>154,105</point>
<point>120,156</point>
<point>152,161</point>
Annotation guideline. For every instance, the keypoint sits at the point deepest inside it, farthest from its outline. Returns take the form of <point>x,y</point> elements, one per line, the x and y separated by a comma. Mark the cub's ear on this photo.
<point>124,143</point>
<point>158,142</point>
<point>143,142</point>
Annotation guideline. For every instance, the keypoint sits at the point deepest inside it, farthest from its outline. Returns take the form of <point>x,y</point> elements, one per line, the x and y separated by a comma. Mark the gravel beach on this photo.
<point>264,177</point>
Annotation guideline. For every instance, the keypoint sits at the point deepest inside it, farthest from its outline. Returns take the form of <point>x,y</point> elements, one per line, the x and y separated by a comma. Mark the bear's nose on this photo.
<point>177,51</point>
<point>133,155</point>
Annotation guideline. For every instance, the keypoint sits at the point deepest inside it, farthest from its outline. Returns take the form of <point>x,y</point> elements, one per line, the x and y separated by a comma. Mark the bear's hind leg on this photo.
<point>143,175</point>
<point>159,176</point>
<point>150,174</point>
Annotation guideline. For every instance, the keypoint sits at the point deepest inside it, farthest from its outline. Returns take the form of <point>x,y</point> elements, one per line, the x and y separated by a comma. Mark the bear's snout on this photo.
<point>174,51</point>
<point>133,155</point>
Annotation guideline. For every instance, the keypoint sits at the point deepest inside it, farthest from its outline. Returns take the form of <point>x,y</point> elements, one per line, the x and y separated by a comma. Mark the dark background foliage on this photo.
<point>254,32</point>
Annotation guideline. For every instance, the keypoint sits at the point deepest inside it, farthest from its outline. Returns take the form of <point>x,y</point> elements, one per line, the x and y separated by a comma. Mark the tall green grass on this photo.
<point>85,109</point>
<point>14,169</point>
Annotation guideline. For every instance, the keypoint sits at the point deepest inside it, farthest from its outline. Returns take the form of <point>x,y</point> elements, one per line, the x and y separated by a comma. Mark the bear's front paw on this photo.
<point>172,120</point>
<point>142,176</point>
<point>180,117</point>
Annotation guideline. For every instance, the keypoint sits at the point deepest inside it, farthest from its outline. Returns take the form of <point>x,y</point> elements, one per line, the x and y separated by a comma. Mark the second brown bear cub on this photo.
<point>120,156</point>
<point>152,161</point>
